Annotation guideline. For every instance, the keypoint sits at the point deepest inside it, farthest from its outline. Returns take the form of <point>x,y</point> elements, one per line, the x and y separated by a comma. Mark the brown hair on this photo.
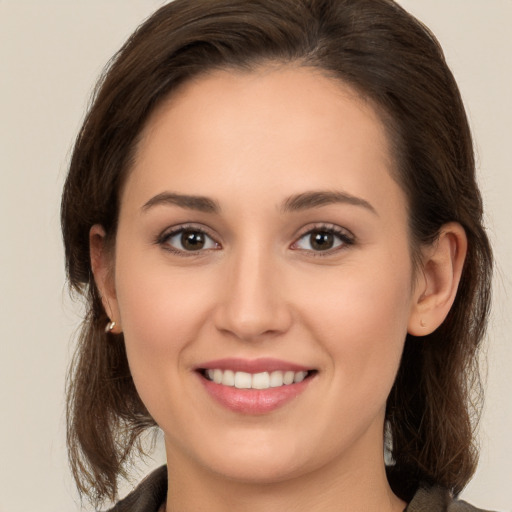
<point>395,62</point>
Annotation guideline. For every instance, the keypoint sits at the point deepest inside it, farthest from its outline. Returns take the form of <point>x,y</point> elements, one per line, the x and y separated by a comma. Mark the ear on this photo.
<point>438,280</point>
<point>103,271</point>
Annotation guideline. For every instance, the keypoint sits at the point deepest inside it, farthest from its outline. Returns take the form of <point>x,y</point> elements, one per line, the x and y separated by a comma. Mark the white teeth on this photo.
<point>228,378</point>
<point>276,379</point>
<point>217,376</point>
<point>299,376</point>
<point>288,377</point>
<point>263,380</point>
<point>243,380</point>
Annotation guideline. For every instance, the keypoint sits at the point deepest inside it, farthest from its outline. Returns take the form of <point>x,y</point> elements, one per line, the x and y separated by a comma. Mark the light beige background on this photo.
<point>51,52</point>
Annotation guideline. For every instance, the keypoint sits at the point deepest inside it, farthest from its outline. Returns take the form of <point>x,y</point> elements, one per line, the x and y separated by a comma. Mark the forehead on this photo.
<point>304,94</point>
<point>275,125</point>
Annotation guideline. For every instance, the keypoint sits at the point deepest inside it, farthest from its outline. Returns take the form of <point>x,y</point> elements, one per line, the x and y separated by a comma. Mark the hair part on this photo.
<point>388,57</point>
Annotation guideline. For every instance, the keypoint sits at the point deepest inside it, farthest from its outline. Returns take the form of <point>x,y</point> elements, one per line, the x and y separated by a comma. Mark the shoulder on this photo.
<point>438,499</point>
<point>148,496</point>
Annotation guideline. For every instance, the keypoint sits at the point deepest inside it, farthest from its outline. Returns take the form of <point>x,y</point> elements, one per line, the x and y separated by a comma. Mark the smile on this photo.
<point>254,387</point>
<point>262,380</point>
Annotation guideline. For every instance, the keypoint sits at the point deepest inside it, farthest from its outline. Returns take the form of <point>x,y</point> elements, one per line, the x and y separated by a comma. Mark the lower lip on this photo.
<point>254,401</point>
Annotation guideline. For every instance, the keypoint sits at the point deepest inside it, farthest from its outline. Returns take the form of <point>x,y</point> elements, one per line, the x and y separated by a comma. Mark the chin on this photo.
<point>255,461</point>
<point>258,471</point>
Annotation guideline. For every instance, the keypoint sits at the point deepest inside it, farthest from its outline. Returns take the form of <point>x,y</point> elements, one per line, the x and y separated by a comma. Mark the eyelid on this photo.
<point>346,236</point>
<point>169,232</point>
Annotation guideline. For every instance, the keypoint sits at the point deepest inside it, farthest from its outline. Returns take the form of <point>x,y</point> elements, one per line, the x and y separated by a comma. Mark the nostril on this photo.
<point>252,315</point>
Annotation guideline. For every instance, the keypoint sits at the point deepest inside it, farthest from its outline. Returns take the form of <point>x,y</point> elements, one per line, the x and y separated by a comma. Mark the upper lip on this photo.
<point>264,364</point>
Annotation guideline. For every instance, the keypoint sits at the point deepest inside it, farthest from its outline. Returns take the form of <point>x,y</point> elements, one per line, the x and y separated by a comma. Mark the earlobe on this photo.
<point>102,269</point>
<point>438,280</point>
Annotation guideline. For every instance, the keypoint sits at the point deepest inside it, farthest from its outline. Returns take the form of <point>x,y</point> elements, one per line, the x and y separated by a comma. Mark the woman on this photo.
<point>271,210</point>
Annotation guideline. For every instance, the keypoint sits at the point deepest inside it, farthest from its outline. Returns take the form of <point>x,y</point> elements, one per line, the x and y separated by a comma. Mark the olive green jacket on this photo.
<point>150,495</point>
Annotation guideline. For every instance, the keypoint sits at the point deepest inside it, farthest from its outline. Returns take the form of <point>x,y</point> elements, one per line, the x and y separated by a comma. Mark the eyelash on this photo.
<point>345,238</point>
<point>163,239</point>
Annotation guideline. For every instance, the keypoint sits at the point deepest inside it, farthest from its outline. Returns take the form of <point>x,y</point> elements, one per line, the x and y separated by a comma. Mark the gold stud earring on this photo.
<point>423,323</point>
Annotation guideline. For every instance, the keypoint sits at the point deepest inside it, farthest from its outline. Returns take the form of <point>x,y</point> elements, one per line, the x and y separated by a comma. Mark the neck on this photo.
<point>358,487</point>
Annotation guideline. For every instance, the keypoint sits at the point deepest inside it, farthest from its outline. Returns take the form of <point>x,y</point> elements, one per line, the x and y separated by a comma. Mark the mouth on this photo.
<point>260,380</point>
<point>254,387</point>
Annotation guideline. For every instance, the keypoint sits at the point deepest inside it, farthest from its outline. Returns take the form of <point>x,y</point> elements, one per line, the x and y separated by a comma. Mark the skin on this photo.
<point>249,142</point>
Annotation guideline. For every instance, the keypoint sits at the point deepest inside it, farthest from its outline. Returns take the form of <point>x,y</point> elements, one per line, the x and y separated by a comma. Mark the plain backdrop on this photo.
<point>51,53</point>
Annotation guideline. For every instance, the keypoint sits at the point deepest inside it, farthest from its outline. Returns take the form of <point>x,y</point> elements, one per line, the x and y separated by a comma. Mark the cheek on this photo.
<point>161,317</point>
<point>360,317</point>
<point>159,306</point>
<point>157,312</point>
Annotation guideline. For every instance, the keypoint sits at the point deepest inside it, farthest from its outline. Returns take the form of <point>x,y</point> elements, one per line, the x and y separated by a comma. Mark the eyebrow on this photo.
<point>317,199</point>
<point>295,203</point>
<point>198,203</point>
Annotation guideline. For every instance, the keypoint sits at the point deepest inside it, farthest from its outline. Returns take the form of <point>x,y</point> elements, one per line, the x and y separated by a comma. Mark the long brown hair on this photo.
<point>388,57</point>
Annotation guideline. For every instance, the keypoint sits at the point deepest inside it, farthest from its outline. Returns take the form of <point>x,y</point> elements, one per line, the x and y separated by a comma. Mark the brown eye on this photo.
<point>192,240</point>
<point>321,240</point>
<point>324,239</point>
<point>188,240</point>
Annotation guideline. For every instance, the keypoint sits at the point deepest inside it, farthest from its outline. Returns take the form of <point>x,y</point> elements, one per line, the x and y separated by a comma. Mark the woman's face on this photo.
<point>261,240</point>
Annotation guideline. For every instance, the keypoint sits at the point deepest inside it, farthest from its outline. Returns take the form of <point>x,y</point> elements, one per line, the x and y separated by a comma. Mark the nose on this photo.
<point>252,304</point>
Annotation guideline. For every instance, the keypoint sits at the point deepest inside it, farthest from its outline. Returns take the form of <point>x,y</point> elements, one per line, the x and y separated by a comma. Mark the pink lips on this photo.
<point>252,366</point>
<point>253,401</point>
